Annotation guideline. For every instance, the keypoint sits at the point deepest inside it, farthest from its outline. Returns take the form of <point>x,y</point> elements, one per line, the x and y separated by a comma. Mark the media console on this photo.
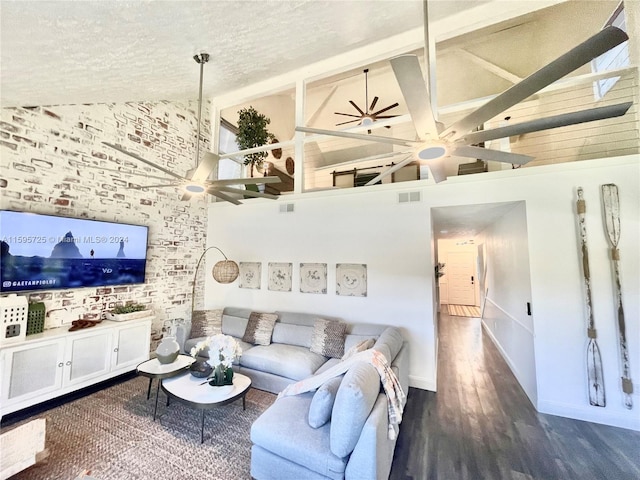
<point>57,362</point>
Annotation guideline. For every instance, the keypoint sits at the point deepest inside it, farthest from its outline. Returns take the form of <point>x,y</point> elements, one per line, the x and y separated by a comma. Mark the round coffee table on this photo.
<point>197,393</point>
<point>154,369</point>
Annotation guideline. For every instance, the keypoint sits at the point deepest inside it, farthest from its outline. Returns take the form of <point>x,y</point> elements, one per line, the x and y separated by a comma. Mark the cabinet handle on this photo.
<point>69,362</point>
<point>115,349</point>
<point>60,364</point>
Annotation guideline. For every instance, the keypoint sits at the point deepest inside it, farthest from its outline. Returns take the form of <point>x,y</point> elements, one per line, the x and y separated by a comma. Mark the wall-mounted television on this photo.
<point>45,252</point>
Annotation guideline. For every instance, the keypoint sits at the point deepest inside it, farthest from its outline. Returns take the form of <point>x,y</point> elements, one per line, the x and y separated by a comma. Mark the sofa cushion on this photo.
<point>283,430</point>
<point>205,323</point>
<point>292,334</point>
<point>393,339</point>
<point>361,346</point>
<point>328,338</point>
<point>288,361</point>
<point>234,326</point>
<point>322,403</point>
<point>355,398</point>
<point>259,328</point>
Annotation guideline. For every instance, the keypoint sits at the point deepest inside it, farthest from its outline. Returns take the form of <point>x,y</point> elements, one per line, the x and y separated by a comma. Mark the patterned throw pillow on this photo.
<point>328,338</point>
<point>259,328</point>
<point>205,323</point>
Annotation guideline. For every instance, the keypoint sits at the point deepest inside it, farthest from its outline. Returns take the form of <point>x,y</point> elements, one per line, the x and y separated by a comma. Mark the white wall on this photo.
<point>509,289</point>
<point>367,225</point>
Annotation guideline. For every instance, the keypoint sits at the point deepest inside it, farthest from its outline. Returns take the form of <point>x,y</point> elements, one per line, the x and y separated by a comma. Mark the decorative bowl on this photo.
<point>200,369</point>
<point>170,358</point>
<point>168,350</point>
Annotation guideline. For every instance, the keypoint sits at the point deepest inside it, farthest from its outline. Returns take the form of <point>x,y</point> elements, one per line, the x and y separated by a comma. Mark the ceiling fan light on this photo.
<point>194,188</point>
<point>430,151</point>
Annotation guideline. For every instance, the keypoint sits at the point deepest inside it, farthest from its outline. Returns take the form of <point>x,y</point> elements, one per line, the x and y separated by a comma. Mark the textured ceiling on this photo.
<point>466,221</point>
<point>58,52</point>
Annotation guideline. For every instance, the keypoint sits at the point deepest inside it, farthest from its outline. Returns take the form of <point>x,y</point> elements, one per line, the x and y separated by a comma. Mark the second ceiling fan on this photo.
<point>196,181</point>
<point>435,142</point>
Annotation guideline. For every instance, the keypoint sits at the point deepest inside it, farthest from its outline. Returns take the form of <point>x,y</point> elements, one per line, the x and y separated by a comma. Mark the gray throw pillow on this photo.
<point>259,328</point>
<point>322,402</point>
<point>328,338</point>
<point>205,323</point>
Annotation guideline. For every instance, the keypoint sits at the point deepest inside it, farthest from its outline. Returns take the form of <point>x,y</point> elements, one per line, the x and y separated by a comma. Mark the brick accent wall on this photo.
<point>52,161</point>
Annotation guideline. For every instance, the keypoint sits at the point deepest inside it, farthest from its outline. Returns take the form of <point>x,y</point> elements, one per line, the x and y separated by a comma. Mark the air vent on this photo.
<point>286,208</point>
<point>409,197</point>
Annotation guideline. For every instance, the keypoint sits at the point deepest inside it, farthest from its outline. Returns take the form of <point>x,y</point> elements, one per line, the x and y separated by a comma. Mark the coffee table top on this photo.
<point>154,369</point>
<point>199,394</point>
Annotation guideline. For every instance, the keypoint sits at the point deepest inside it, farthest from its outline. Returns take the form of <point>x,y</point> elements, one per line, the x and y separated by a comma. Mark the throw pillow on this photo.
<point>259,328</point>
<point>322,402</point>
<point>359,347</point>
<point>328,338</point>
<point>205,323</point>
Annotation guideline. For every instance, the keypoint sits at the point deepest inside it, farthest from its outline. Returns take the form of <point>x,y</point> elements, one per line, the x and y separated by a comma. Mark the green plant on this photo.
<point>129,308</point>
<point>252,132</point>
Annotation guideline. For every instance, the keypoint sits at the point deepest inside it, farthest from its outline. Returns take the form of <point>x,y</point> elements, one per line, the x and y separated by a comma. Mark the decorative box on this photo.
<point>13,318</point>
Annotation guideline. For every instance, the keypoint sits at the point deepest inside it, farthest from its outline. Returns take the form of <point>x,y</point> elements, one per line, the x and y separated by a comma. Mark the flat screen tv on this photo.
<point>44,252</point>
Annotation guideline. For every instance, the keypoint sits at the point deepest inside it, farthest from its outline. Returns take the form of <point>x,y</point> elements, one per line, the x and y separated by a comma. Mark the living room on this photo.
<point>54,162</point>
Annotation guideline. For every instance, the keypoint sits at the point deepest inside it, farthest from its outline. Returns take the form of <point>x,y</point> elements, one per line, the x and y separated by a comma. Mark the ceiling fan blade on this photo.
<point>489,154</point>
<point>357,107</point>
<point>386,116</point>
<point>385,109</point>
<point>248,193</point>
<point>358,136</point>
<point>138,157</point>
<point>591,48</point>
<point>243,181</point>
<point>186,196</point>
<point>407,70</point>
<point>160,185</point>
<point>555,121</point>
<point>390,170</point>
<point>345,123</point>
<point>348,114</point>
<point>213,191</point>
<point>205,167</point>
<point>373,103</point>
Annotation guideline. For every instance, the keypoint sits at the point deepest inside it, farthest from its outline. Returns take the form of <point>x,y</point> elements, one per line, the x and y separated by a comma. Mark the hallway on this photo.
<point>481,425</point>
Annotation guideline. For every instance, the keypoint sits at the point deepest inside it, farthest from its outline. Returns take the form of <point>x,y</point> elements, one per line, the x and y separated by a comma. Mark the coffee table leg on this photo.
<point>157,395</point>
<point>202,429</point>
<point>244,404</point>
<point>149,389</point>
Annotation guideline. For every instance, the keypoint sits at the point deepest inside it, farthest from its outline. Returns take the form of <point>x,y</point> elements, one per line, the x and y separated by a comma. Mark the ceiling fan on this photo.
<point>435,142</point>
<point>367,116</point>
<point>195,181</point>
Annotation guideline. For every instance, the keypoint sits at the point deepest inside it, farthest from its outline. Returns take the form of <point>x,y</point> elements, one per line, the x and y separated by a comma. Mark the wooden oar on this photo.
<point>611,207</point>
<point>595,375</point>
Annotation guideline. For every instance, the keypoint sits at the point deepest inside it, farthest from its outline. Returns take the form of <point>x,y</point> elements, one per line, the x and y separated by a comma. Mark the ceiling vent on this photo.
<point>409,197</point>
<point>286,208</point>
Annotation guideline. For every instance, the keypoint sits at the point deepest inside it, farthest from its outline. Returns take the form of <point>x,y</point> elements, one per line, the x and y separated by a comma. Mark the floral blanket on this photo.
<point>395,395</point>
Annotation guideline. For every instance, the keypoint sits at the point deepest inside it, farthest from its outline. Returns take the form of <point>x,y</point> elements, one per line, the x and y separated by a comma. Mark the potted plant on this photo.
<point>252,132</point>
<point>129,311</point>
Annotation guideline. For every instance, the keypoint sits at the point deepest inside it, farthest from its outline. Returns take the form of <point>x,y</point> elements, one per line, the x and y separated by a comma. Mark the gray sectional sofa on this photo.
<point>353,443</point>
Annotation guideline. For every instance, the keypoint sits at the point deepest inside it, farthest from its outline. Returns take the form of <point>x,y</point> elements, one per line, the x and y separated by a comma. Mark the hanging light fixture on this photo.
<point>224,271</point>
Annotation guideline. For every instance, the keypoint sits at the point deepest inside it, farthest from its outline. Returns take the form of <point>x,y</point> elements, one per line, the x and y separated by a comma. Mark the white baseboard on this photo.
<point>422,383</point>
<point>590,414</point>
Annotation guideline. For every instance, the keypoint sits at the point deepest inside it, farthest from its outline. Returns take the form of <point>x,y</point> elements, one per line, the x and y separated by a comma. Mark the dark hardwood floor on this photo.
<point>481,425</point>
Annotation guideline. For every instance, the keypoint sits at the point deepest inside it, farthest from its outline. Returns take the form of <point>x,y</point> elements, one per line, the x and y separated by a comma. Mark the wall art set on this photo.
<point>351,278</point>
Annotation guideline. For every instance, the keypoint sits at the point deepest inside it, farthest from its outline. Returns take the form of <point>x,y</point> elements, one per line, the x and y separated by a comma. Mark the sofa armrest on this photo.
<point>373,444</point>
<point>183,333</point>
<point>400,366</point>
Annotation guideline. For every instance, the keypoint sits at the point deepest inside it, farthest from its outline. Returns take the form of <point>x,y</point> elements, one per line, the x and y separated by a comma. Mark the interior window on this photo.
<point>615,58</point>
<point>228,167</point>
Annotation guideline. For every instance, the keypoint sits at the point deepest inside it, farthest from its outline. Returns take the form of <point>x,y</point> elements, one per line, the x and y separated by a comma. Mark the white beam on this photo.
<point>489,66</point>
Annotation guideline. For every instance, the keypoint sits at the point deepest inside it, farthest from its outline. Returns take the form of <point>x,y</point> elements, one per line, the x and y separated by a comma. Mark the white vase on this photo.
<point>168,350</point>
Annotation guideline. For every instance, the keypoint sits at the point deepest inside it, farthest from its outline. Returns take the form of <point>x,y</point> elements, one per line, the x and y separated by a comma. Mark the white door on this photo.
<point>461,271</point>
<point>88,356</point>
<point>131,345</point>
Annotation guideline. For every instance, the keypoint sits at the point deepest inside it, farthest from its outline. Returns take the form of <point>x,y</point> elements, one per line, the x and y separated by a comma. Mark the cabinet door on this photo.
<point>88,356</point>
<point>131,345</point>
<point>31,370</point>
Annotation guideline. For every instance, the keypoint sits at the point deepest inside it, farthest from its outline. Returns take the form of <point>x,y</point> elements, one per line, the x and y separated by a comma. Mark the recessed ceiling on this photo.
<point>466,221</point>
<point>69,52</point>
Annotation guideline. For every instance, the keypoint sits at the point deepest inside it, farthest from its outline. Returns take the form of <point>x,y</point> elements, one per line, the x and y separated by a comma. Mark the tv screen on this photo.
<point>44,252</point>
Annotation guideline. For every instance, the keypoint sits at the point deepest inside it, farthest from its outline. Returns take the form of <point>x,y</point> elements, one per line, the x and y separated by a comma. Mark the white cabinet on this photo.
<point>57,361</point>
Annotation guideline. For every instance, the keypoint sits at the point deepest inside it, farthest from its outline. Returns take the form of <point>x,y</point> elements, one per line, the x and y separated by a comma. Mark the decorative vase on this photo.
<point>168,350</point>
<point>200,369</point>
<point>221,376</point>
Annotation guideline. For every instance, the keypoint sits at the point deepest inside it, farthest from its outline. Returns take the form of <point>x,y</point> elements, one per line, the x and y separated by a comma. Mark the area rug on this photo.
<point>464,310</point>
<point>111,433</point>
